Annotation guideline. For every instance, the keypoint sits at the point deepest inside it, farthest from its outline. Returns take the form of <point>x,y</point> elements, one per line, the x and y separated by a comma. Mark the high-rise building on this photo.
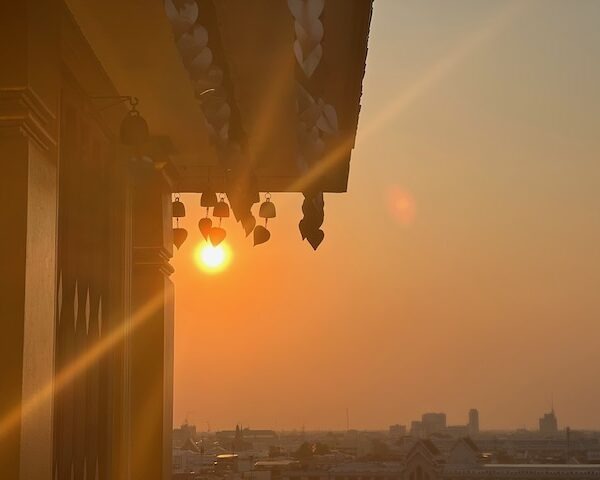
<point>473,421</point>
<point>549,423</point>
<point>416,429</point>
<point>433,422</point>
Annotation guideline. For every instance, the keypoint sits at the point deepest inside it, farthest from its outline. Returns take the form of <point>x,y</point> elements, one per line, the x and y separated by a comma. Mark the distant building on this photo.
<point>189,458</point>
<point>416,429</point>
<point>345,471</point>
<point>473,421</point>
<point>248,434</point>
<point>549,423</point>
<point>397,430</point>
<point>465,463</point>
<point>184,433</point>
<point>464,452</point>
<point>433,423</point>
<point>464,460</point>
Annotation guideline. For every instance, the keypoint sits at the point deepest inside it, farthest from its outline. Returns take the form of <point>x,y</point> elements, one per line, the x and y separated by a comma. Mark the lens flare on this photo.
<point>212,259</point>
<point>402,206</point>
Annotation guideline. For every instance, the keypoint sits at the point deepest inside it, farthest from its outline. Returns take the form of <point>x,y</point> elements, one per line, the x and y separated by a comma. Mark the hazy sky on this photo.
<point>462,268</point>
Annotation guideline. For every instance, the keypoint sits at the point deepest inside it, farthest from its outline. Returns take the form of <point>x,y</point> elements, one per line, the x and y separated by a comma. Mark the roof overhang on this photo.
<point>137,48</point>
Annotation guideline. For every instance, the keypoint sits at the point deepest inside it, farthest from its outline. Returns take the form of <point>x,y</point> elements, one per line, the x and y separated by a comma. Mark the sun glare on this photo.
<point>212,259</point>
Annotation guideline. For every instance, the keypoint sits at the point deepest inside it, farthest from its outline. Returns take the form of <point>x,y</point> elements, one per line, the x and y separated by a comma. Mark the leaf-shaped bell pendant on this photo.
<point>216,235</point>
<point>179,236</point>
<point>205,224</point>
<point>261,235</point>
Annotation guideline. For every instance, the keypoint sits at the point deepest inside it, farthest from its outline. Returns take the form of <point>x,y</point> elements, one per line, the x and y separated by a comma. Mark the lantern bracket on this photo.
<point>119,99</point>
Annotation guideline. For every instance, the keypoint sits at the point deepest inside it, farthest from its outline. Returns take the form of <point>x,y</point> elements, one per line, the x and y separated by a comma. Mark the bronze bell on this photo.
<point>221,210</point>
<point>178,209</point>
<point>267,210</point>
<point>208,199</point>
<point>134,130</point>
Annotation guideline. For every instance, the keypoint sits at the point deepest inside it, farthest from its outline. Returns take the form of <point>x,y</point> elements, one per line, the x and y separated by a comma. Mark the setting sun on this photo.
<point>212,259</point>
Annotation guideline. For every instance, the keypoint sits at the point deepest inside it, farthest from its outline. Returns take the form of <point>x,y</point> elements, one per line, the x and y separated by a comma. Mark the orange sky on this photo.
<point>462,268</point>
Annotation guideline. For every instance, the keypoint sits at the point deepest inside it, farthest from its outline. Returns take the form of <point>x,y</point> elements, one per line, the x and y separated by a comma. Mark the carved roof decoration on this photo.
<point>317,120</point>
<point>305,127</point>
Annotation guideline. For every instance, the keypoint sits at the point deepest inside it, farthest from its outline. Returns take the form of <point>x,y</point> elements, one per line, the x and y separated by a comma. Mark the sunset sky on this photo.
<point>461,269</point>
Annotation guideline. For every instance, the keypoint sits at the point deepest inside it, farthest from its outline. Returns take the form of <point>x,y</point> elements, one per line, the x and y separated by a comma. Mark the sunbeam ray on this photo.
<point>432,76</point>
<point>79,365</point>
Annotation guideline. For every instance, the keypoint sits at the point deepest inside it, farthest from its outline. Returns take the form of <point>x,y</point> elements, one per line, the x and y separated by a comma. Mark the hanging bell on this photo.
<point>134,129</point>
<point>208,198</point>
<point>178,209</point>
<point>179,236</point>
<point>267,209</point>
<point>221,209</point>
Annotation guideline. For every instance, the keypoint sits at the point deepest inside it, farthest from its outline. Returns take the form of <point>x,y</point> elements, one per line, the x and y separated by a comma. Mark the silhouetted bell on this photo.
<point>134,129</point>
<point>217,235</point>
<point>208,199</point>
<point>261,235</point>
<point>205,224</point>
<point>178,209</point>
<point>179,236</point>
<point>267,210</point>
<point>221,210</point>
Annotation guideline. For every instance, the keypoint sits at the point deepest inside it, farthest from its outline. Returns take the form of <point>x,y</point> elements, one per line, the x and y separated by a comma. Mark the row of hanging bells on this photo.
<point>216,233</point>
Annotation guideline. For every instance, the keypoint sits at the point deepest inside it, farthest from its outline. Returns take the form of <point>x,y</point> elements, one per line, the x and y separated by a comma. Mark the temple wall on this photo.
<point>70,404</point>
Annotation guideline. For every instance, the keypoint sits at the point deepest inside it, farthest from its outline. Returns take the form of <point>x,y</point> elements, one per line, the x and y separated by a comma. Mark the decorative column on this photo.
<point>151,337</point>
<point>28,209</point>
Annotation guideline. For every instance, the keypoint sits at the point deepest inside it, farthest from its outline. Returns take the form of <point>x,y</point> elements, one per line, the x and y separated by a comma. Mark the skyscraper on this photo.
<point>549,423</point>
<point>433,422</point>
<point>473,421</point>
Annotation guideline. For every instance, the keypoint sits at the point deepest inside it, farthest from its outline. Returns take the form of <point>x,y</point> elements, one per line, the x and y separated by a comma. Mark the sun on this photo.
<point>212,259</point>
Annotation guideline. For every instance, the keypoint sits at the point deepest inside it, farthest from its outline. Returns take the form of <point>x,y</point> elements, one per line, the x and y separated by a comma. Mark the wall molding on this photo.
<point>156,258</point>
<point>23,112</point>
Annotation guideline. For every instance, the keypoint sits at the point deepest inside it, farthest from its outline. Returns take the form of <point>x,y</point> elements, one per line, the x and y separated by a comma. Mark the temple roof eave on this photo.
<point>149,66</point>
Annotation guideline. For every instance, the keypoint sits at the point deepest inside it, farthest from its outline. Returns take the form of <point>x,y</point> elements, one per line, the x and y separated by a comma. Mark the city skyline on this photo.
<point>205,425</point>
